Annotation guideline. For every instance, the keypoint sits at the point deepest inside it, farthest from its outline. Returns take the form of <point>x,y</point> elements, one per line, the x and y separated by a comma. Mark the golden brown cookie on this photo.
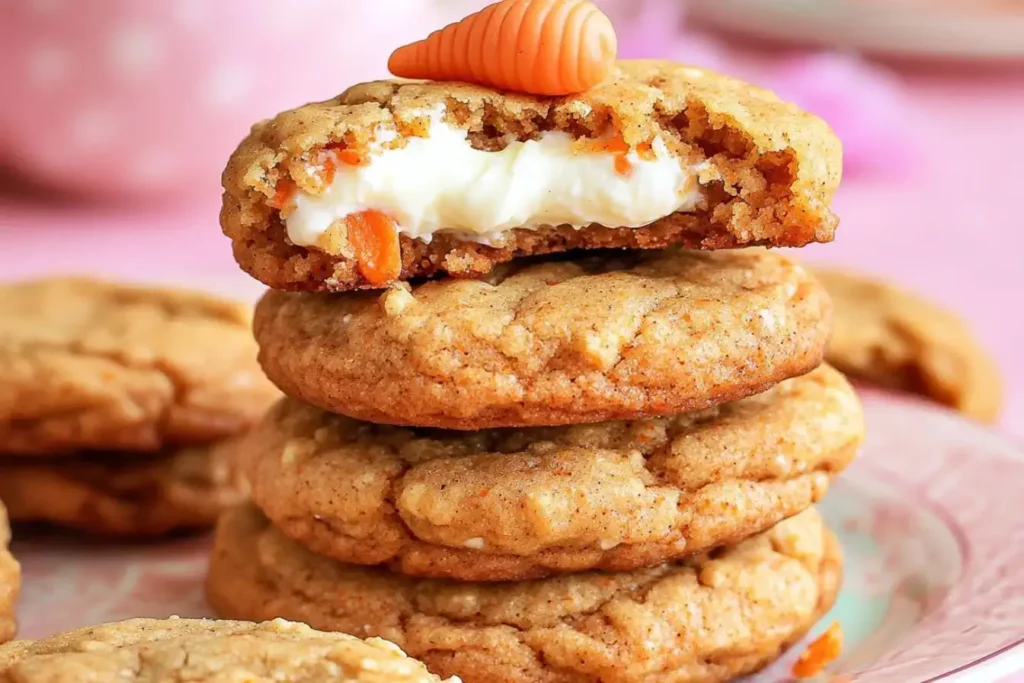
<point>125,494</point>
<point>86,364</point>
<point>10,580</point>
<point>891,337</point>
<point>207,651</point>
<point>708,618</point>
<point>619,335</point>
<point>755,170</point>
<point>512,504</point>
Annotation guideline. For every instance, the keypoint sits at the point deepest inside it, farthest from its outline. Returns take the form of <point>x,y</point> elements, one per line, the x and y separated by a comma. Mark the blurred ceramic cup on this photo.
<point>147,99</point>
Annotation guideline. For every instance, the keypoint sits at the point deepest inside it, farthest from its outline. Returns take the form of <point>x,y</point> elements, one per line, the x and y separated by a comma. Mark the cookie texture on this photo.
<point>708,618</point>
<point>507,504</point>
<point>10,580</point>
<point>619,335</point>
<point>888,336</point>
<point>125,495</point>
<point>768,169</point>
<point>207,651</point>
<point>86,364</point>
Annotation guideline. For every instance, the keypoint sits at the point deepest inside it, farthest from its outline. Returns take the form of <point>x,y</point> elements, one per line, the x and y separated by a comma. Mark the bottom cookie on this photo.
<point>125,495</point>
<point>207,651</point>
<point>10,580</point>
<point>708,618</point>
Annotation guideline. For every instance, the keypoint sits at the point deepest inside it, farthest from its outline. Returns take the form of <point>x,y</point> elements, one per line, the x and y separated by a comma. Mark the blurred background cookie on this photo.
<point>91,364</point>
<point>889,336</point>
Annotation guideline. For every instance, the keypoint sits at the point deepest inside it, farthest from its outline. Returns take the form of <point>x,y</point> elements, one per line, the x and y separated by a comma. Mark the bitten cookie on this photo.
<point>96,365</point>
<point>125,495</point>
<point>710,618</point>
<point>10,580</point>
<point>399,179</point>
<point>207,651</point>
<point>894,338</point>
<point>512,504</point>
<point>618,335</point>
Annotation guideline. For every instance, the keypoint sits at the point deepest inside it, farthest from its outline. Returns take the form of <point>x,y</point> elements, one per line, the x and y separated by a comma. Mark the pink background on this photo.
<point>950,226</point>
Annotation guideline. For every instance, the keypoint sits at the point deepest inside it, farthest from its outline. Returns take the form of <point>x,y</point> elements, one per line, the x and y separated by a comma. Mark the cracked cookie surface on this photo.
<point>768,169</point>
<point>116,494</point>
<point>888,336</point>
<point>509,504</point>
<point>10,580</point>
<point>207,651</point>
<point>86,364</point>
<point>708,618</point>
<point>619,335</point>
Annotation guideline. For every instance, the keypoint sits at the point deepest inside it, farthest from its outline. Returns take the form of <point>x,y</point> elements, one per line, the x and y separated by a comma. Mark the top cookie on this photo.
<point>207,651</point>
<point>86,364</point>
<point>894,338</point>
<point>398,179</point>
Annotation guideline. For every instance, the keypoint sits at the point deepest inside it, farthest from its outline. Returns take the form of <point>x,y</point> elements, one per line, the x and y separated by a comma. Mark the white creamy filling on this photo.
<point>440,182</point>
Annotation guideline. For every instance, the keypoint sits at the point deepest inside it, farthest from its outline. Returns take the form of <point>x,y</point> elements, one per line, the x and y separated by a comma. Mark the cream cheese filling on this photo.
<point>440,182</point>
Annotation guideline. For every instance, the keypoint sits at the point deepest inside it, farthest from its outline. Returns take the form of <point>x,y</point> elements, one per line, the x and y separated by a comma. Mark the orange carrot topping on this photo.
<point>374,237</point>
<point>283,194</point>
<point>541,47</point>
<point>484,492</point>
<point>819,654</point>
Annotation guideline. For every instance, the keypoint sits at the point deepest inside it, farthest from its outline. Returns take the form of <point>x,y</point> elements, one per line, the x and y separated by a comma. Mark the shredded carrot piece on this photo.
<point>329,170</point>
<point>283,194</point>
<point>484,492</point>
<point>623,166</point>
<point>374,237</point>
<point>819,654</point>
<point>353,158</point>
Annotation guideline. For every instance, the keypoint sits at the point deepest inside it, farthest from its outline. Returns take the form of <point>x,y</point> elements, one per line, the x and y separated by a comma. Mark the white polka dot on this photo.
<point>153,166</point>
<point>133,50</point>
<point>191,13</point>
<point>45,8</point>
<point>47,65</point>
<point>93,129</point>
<point>226,85</point>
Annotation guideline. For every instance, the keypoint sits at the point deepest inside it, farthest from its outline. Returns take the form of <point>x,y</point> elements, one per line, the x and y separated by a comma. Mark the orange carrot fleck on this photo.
<point>353,158</point>
<point>623,166</point>
<point>283,193</point>
<point>329,170</point>
<point>374,237</point>
<point>484,493</point>
<point>541,47</point>
<point>819,654</point>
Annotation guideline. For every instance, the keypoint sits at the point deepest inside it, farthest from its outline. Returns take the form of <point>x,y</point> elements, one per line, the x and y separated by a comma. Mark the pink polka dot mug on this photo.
<point>147,99</point>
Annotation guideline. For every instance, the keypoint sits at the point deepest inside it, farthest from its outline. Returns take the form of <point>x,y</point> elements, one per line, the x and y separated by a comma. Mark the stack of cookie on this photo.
<point>591,455</point>
<point>119,404</point>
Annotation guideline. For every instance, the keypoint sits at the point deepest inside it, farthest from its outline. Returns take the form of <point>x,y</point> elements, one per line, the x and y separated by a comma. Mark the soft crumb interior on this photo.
<point>733,168</point>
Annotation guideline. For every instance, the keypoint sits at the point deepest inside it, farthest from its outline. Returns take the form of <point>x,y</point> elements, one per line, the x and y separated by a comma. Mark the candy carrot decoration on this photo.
<point>541,47</point>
